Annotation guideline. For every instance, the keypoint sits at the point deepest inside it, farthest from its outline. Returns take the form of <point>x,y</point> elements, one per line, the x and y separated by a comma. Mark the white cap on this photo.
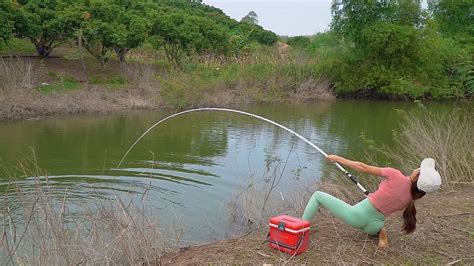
<point>429,179</point>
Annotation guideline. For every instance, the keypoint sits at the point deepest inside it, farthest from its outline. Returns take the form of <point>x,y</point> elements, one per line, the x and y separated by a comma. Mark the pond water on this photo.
<point>192,164</point>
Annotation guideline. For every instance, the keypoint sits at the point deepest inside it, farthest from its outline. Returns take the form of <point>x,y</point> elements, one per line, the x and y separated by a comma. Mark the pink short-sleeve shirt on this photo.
<point>393,193</point>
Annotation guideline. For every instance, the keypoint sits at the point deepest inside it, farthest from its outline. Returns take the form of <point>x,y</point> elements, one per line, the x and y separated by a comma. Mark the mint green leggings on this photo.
<point>363,215</point>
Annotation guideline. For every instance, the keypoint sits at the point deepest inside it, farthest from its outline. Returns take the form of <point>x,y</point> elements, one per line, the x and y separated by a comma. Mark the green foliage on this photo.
<point>45,23</point>
<point>454,17</point>
<point>18,46</point>
<point>180,34</point>
<point>299,41</point>
<point>393,45</point>
<point>258,34</point>
<point>102,80</point>
<point>352,17</point>
<point>131,29</point>
<point>6,20</point>
<point>62,82</point>
<point>111,27</point>
<point>391,49</point>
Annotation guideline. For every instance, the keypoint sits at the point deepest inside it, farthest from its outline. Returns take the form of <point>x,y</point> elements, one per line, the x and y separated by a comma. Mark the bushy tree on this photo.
<point>181,34</point>
<point>299,41</point>
<point>257,34</point>
<point>98,32</point>
<point>131,29</point>
<point>454,17</point>
<point>393,49</point>
<point>351,17</point>
<point>115,28</point>
<point>46,24</point>
<point>251,18</point>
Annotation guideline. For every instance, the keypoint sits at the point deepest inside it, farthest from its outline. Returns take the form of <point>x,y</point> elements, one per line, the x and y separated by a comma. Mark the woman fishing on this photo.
<point>397,192</point>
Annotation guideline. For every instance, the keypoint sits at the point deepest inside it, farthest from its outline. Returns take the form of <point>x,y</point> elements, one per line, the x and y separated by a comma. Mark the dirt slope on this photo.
<point>445,234</point>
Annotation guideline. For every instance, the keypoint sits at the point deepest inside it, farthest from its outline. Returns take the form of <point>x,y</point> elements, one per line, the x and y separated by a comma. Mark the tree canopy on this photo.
<point>351,17</point>
<point>455,18</point>
<point>6,20</point>
<point>115,28</point>
<point>45,23</point>
<point>180,34</point>
<point>394,48</point>
<point>179,27</point>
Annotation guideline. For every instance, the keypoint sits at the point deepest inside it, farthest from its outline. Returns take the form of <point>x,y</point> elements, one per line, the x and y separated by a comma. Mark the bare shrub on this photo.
<point>256,200</point>
<point>312,90</point>
<point>31,103</point>
<point>143,76</point>
<point>16,73</point>
<point>222,97</point>
<point>253,204</point>
<point>42,227</point>
<point>446,137</point>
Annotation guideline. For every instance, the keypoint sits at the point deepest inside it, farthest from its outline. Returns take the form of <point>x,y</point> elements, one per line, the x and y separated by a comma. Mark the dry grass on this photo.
<point>446,137</point>
<point>143,76</point>
<point>42,227</point>
<point>444,235</point>
<point>31,103</point>
<point>16,73</point>
<point>259,198</point>
<point>312,90</point>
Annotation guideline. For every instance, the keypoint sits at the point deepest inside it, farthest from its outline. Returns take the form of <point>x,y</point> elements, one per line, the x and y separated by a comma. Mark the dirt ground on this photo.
<point>444,235</point>
<point>28,103</point>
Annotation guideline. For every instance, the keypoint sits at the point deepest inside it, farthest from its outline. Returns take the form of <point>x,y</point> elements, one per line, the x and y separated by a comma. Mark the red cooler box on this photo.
<point>289,234</point>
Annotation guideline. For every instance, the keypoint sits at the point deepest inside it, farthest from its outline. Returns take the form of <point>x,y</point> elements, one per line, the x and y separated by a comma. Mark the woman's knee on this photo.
<point>317,194</point>
<point>373,228</point>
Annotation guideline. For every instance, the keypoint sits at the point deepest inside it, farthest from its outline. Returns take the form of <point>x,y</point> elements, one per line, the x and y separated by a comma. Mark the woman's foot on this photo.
<point>383,238</point>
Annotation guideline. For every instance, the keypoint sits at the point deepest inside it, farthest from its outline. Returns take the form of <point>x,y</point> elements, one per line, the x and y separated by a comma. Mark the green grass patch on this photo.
<point>62,82</point>
<point>112,80</point>
<point>73,54</point>
<point>18,46</point>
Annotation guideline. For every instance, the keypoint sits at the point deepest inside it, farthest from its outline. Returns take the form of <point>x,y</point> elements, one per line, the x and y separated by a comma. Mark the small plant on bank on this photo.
<point>61,82</point>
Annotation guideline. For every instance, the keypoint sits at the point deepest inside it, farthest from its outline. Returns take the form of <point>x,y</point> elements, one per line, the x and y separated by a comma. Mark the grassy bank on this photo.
<point>444,232</point>
<point>71,83</point>
<point>444,235</point>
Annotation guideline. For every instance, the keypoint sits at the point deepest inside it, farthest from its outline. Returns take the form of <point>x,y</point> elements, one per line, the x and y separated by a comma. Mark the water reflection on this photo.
<point>192,163</point>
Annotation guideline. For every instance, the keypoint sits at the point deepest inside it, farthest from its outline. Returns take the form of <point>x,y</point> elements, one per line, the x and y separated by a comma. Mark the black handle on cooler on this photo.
<point>298,243</point>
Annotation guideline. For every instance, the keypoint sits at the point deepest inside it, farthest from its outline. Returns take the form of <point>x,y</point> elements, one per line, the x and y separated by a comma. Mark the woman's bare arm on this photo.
<point>358,166</point>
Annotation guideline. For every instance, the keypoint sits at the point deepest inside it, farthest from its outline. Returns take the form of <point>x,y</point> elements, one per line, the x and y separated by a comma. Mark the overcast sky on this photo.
<point>284,17</point>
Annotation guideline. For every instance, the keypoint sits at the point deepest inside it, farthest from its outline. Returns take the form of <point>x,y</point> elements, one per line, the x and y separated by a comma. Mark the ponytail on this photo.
<point>409,214</point>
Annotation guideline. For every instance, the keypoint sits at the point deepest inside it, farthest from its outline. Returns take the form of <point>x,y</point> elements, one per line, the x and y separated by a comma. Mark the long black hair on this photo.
<point>409,214</point>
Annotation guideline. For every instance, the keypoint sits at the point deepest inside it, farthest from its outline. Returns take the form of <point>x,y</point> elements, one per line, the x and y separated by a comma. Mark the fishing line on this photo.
<point>351,177</point>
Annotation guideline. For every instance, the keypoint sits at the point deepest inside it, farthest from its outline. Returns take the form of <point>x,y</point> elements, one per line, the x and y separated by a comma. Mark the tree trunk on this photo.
<point>103,62</point>
<point>44,50</point>
<point>84,67</point>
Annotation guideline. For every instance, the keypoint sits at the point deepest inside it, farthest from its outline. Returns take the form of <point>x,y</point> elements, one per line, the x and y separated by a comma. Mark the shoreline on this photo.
<point>438,239</point>
<point>33,105</point>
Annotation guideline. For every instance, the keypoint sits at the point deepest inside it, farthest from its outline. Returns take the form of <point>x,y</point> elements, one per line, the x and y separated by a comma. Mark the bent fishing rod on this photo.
<point>351,177</point>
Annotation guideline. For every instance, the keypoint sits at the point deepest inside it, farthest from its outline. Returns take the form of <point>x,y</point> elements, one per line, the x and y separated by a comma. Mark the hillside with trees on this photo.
<point>374,49</point>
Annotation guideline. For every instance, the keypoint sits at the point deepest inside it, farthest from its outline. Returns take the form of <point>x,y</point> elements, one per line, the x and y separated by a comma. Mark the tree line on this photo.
<point>105,27</point>
<point>397,48</point>
<point>376,48</point>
